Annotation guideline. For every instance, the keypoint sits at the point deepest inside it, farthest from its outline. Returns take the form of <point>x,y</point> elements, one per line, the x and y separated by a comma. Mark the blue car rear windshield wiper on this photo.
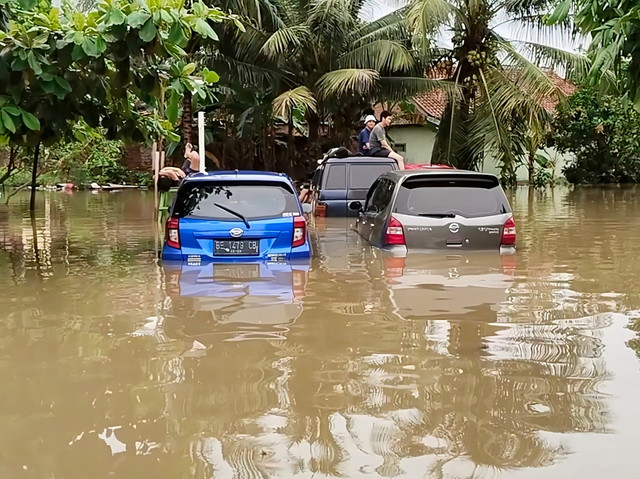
<point>438,215</point>
<point>234,213</point>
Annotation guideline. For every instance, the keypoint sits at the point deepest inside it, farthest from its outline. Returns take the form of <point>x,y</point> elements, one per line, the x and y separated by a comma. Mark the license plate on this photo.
<point>239,271</point>
<point>236,247</point>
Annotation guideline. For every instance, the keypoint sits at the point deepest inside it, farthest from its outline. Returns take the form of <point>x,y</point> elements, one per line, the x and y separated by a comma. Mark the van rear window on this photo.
<point>471,197</point>
<point>362,176</point>
<point>251,200</point>
<point>336,177</point>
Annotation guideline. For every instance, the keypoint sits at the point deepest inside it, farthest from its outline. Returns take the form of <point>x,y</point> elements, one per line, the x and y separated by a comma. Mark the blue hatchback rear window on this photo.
<point>228,201</point>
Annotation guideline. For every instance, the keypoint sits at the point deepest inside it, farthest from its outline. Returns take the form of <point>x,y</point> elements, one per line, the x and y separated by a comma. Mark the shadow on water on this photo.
<point>355,365</point>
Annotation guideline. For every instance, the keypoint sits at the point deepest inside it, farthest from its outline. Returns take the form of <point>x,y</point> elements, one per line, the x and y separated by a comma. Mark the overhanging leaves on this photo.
<point>348,80</point>
<point>30,121</point>
<point>87,66</point>
<point>300,97</point>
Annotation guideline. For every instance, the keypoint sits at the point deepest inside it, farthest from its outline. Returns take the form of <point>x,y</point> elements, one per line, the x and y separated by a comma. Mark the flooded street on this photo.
<point>355,365</point>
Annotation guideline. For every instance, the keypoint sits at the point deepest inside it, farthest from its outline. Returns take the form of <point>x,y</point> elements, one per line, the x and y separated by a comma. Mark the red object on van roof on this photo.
<point>420,166</point>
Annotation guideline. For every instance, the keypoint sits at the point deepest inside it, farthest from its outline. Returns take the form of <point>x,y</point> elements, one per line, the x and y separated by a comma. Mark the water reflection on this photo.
<point>244,301</point>
<point>359,365</point>
<point>406,371</point>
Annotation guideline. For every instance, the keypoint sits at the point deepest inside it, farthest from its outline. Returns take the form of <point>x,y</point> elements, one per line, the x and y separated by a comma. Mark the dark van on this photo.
<point>340,181</point>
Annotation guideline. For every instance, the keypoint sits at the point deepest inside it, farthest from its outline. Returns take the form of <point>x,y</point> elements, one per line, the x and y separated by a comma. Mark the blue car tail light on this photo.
<point>299,231</point>
<point>173,232</point>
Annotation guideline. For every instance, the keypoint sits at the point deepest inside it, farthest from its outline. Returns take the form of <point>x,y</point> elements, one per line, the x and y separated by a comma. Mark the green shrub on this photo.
<point>601,133</point>
<point>17,178</point>
<point>87,159</point>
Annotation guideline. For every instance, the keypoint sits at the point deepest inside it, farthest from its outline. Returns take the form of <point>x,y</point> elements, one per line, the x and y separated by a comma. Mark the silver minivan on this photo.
<point>436,210</point>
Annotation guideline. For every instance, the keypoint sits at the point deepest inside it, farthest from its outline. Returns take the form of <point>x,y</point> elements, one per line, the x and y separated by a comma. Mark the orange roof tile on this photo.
<point>433,103</point>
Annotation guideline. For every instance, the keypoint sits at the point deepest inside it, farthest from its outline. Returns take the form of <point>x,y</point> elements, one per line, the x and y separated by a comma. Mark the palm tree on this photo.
<point>501,80</point>
<point>324,50</point>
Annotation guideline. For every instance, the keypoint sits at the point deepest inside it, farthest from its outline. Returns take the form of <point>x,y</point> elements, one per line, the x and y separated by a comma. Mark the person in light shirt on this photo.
<point>378,141</point>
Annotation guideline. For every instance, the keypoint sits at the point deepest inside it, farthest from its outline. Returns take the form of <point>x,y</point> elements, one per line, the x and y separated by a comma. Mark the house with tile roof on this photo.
<point>413,131</point>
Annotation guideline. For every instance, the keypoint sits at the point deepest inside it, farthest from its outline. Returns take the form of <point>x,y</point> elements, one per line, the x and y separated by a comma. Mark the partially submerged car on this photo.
<point>436,209</point>
<point>338,181</point>
<point>236,216</point>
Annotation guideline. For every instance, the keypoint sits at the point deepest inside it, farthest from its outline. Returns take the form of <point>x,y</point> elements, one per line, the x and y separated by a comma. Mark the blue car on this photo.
<point>242,216</point>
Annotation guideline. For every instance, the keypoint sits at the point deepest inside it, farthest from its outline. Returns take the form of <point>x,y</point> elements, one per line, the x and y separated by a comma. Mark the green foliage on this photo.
<point>614,31</point>
<point>89,157</point>
<point>543,177</point>
<point>544,171</point>
<point>109,66</point>
<point>601,133</point>
<point>18,178</point>
<point>97,159</point>
<point>500,84</point>
<point>341,62</point>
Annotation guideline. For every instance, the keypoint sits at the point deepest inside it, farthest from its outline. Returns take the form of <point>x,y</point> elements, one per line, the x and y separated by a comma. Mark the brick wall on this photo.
<point>137,157</point>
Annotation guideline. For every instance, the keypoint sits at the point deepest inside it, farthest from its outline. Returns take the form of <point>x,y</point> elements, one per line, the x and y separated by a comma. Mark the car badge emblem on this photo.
<point>236,232</point>
<point>454,228</point>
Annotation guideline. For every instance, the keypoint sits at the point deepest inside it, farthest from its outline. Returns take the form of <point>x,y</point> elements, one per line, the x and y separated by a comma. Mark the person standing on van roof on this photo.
<point>363,137</point>
<point>378,141</point>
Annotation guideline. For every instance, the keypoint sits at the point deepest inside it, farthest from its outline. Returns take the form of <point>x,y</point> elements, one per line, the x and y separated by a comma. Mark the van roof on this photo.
<point>356,159</point>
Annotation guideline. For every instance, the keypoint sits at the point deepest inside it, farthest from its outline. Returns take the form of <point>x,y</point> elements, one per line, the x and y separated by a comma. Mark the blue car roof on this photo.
<point>246,175</point>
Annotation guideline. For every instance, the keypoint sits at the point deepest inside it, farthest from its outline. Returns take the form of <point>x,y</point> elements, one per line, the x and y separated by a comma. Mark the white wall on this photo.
<point>522,173</point>
<point>419,141</point>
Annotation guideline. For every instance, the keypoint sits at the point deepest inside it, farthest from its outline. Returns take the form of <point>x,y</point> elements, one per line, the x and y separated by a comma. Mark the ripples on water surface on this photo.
<point>356,365</point>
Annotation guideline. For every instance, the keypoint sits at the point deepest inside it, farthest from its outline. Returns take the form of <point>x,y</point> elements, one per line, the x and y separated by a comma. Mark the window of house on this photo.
<point>400,147</point>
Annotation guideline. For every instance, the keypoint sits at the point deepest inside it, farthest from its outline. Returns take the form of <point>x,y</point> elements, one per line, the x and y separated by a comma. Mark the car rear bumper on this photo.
<point>400,250</point>
<point>178,255</point>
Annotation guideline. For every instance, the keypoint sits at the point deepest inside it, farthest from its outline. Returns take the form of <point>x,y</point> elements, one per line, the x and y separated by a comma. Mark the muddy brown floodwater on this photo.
<point>355,366</point>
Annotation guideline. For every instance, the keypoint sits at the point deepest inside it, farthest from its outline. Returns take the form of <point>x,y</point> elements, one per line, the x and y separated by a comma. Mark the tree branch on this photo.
<point>11,166</point>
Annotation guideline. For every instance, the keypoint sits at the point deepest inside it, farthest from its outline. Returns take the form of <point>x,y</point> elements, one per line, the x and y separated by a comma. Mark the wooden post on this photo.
<point>153,159</point>
<point>154,168</point>
<point>201,151</point>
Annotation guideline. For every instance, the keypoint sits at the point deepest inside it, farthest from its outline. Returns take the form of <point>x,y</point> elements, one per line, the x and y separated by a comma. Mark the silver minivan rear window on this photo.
<point>467,196</point>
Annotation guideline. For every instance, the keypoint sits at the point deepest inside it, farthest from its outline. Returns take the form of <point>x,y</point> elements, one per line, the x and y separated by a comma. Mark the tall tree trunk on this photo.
<point>34,175</point>
<point>314,126</point>
<point>187,118</point>
<point>532,159</point>
<point>450,147</point>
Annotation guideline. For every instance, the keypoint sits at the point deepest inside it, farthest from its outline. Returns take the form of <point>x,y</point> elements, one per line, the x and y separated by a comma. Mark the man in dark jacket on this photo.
<point>363,137</point>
